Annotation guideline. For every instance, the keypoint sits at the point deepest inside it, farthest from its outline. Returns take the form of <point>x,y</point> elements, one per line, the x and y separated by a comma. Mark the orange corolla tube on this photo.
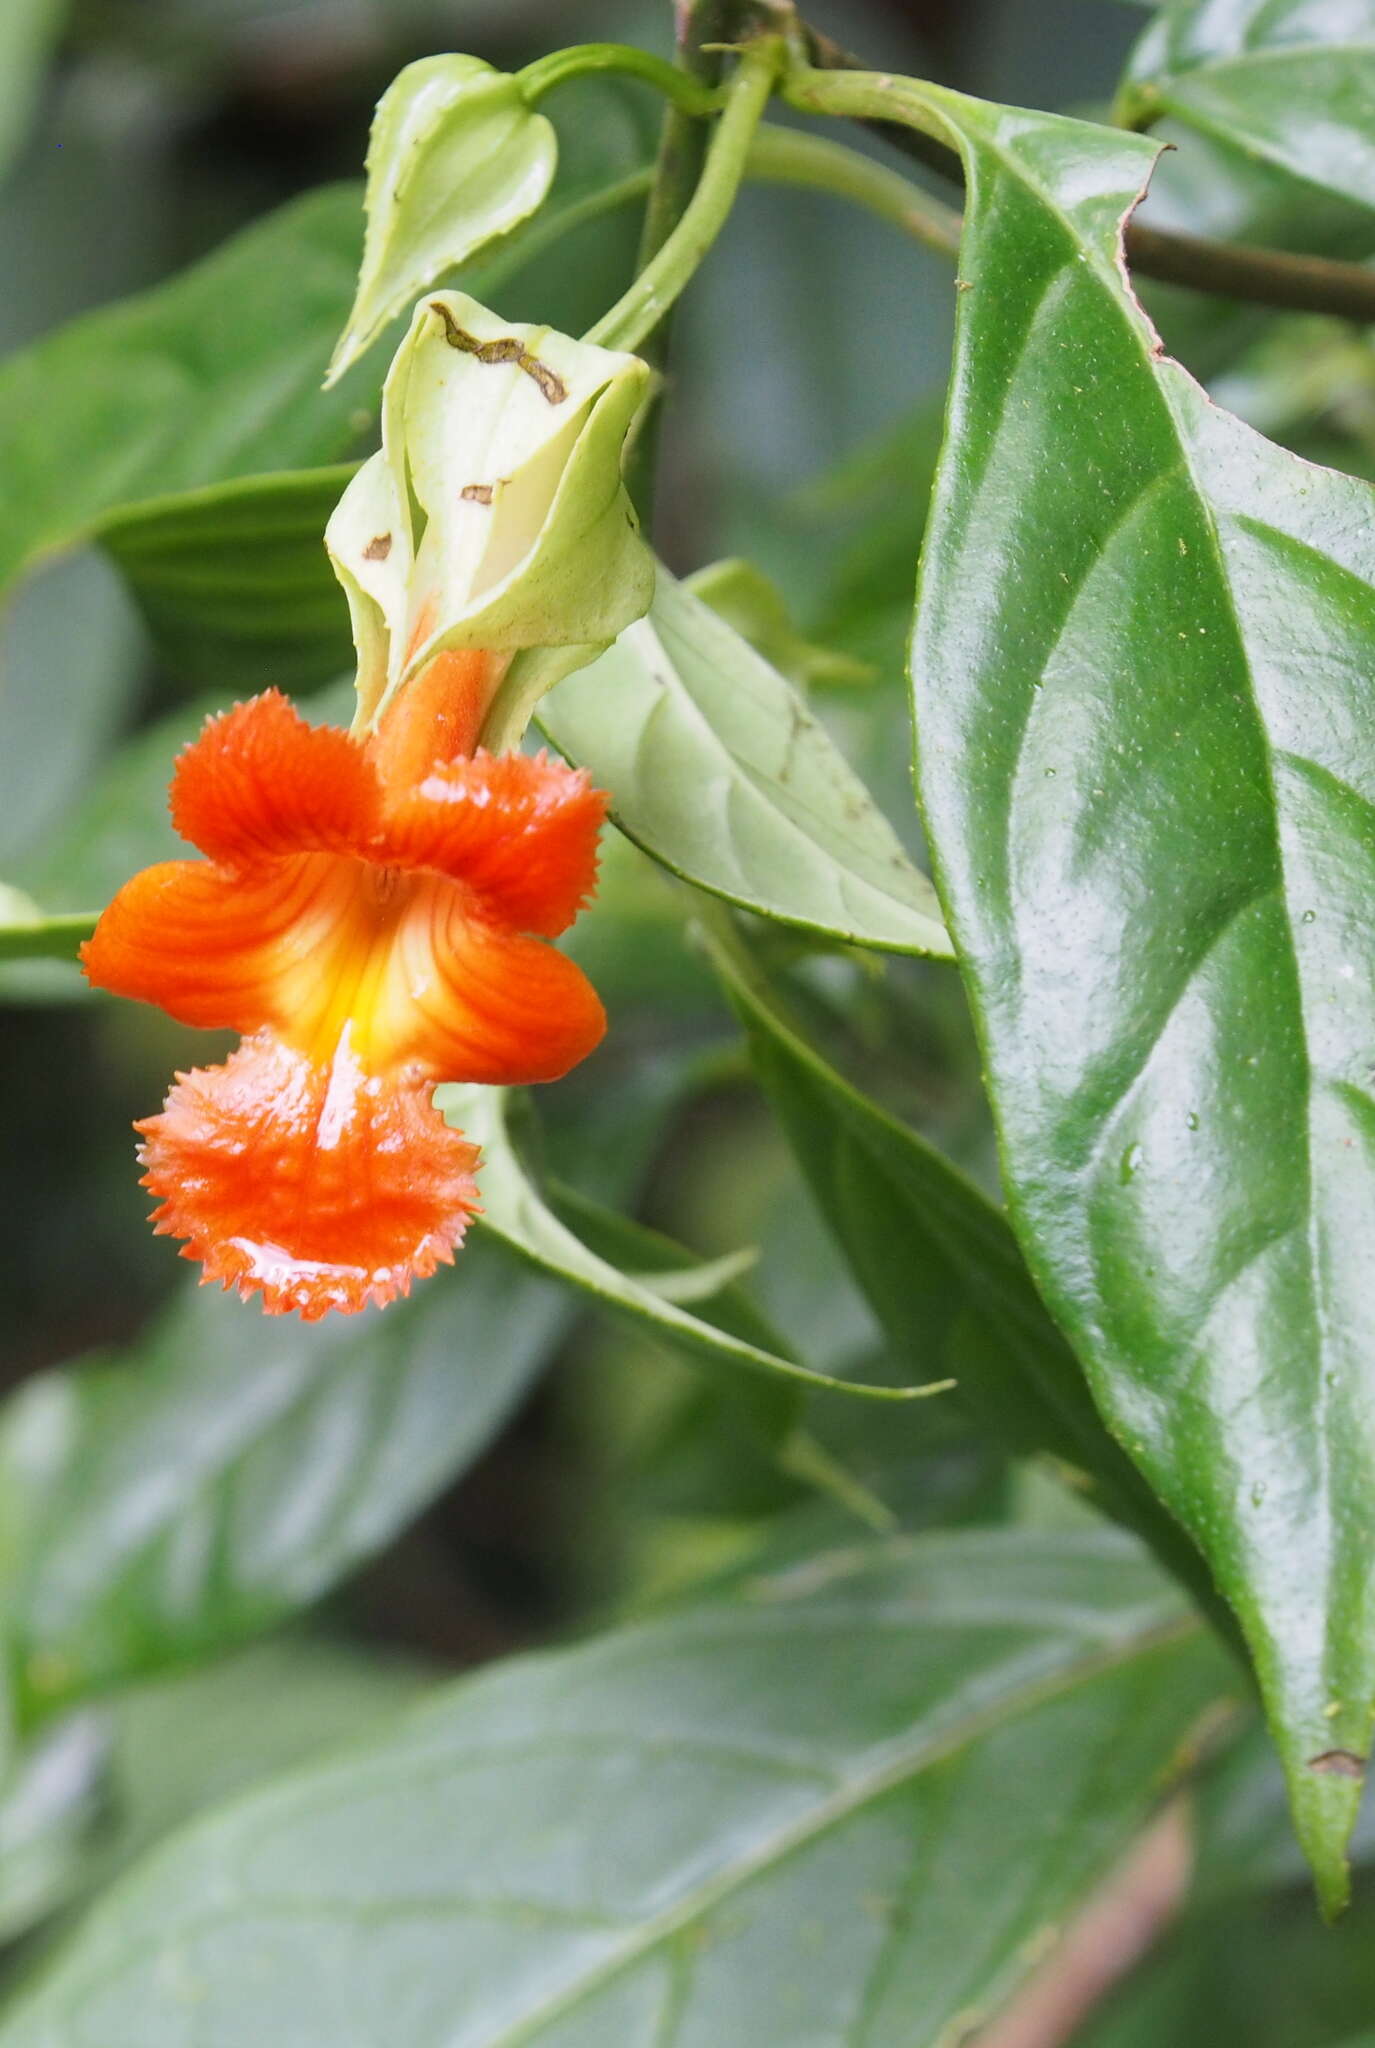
<point>372,919</point>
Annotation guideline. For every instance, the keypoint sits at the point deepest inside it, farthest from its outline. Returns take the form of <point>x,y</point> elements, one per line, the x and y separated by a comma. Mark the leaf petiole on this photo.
<point>635,316</point>
<point>584,60</point>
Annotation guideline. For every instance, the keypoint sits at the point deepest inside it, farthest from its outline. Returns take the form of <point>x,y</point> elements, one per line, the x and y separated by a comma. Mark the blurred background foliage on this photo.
<point>547,1467</point>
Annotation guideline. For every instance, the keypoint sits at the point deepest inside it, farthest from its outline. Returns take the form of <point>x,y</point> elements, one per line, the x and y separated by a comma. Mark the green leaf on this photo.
<point>455,159</point>
<point>851,1803</point>
<point>211,376</point>
<point>122,823</point>
<point>718,770</point>
<point>193,1740</point>
<point>942,1271</point>
<point>754,607</point>
<point>28,933</point>
<point>29,30</point>
<point>1291,82</point>
<point>161,1503</point>
<point>98,1788</point>
<point>73,665</point>
<point>50,1803</point>
<point>1246,1838</point>
<point>514,1210</point>
<point>234,582</point>
<point>1141,661</point>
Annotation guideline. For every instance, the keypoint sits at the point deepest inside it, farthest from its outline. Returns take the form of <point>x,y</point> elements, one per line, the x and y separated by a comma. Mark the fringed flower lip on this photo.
<point>371,918</point>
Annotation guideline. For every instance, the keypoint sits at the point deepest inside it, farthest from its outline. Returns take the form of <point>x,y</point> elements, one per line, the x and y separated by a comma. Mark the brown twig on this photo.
<point>1104,1944</point>
<point>1229,270</point>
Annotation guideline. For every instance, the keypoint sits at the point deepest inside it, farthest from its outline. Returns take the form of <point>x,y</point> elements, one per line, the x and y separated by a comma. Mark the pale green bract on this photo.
<point>455,160</point>
<point>493,516</point>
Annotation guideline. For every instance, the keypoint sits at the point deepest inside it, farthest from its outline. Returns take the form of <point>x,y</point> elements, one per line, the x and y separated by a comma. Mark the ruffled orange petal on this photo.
<point>202,944</point>
<point>259,782</point>
<point>520,831</point>
<point>473,1001</point>
<point>321,1187</point>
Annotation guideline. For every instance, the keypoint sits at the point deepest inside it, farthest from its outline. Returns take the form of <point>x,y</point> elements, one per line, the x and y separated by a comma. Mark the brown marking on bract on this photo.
<point>507,348</point>
<point>378,550</point>
<point>1338,1763</point>
<point>477,494</point>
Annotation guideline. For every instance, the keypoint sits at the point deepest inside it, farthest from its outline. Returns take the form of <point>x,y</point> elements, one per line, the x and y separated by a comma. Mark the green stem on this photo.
<point>691,95</point>
<point>702,30</point>
<point>803,1458</point>
<point>777,156</point>
<point>634,317</point>
<point>897,109</point>
<point>791,156</point>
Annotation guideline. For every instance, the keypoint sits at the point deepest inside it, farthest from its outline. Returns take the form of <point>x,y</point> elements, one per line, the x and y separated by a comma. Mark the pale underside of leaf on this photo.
<point>514,1210</point>
<point>720,772</point>
<point>665,1837</point>
<point>164,1503</point>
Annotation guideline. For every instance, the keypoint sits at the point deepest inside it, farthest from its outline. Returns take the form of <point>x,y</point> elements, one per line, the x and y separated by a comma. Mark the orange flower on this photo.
<point>371,918</point>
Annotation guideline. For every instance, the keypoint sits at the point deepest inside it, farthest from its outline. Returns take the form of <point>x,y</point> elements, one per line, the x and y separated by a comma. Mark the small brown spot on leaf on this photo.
<point>378,550</point>
<point>477,494</point>
<point>1338,1763</point>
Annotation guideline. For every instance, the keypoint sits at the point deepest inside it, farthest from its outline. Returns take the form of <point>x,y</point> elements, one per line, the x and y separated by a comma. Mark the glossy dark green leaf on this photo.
<point>1246,1838</point>
<point>1142,667</point>
<point>515,1210</point>
<point>234,582</point>
<point>718,770</point>
<point>942,1271</point>
<point>1292,82</point>
<point>224,1471</point>
<point>849,1804</point>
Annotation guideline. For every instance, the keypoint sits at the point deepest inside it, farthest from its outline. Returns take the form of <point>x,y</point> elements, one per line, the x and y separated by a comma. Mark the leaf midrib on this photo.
<point>1273,812</point>
<point>887,1776</point>
<point>1129,313</point>
<point>833,1812</point>
<point>760,788</point>
<point>1140,331</point>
